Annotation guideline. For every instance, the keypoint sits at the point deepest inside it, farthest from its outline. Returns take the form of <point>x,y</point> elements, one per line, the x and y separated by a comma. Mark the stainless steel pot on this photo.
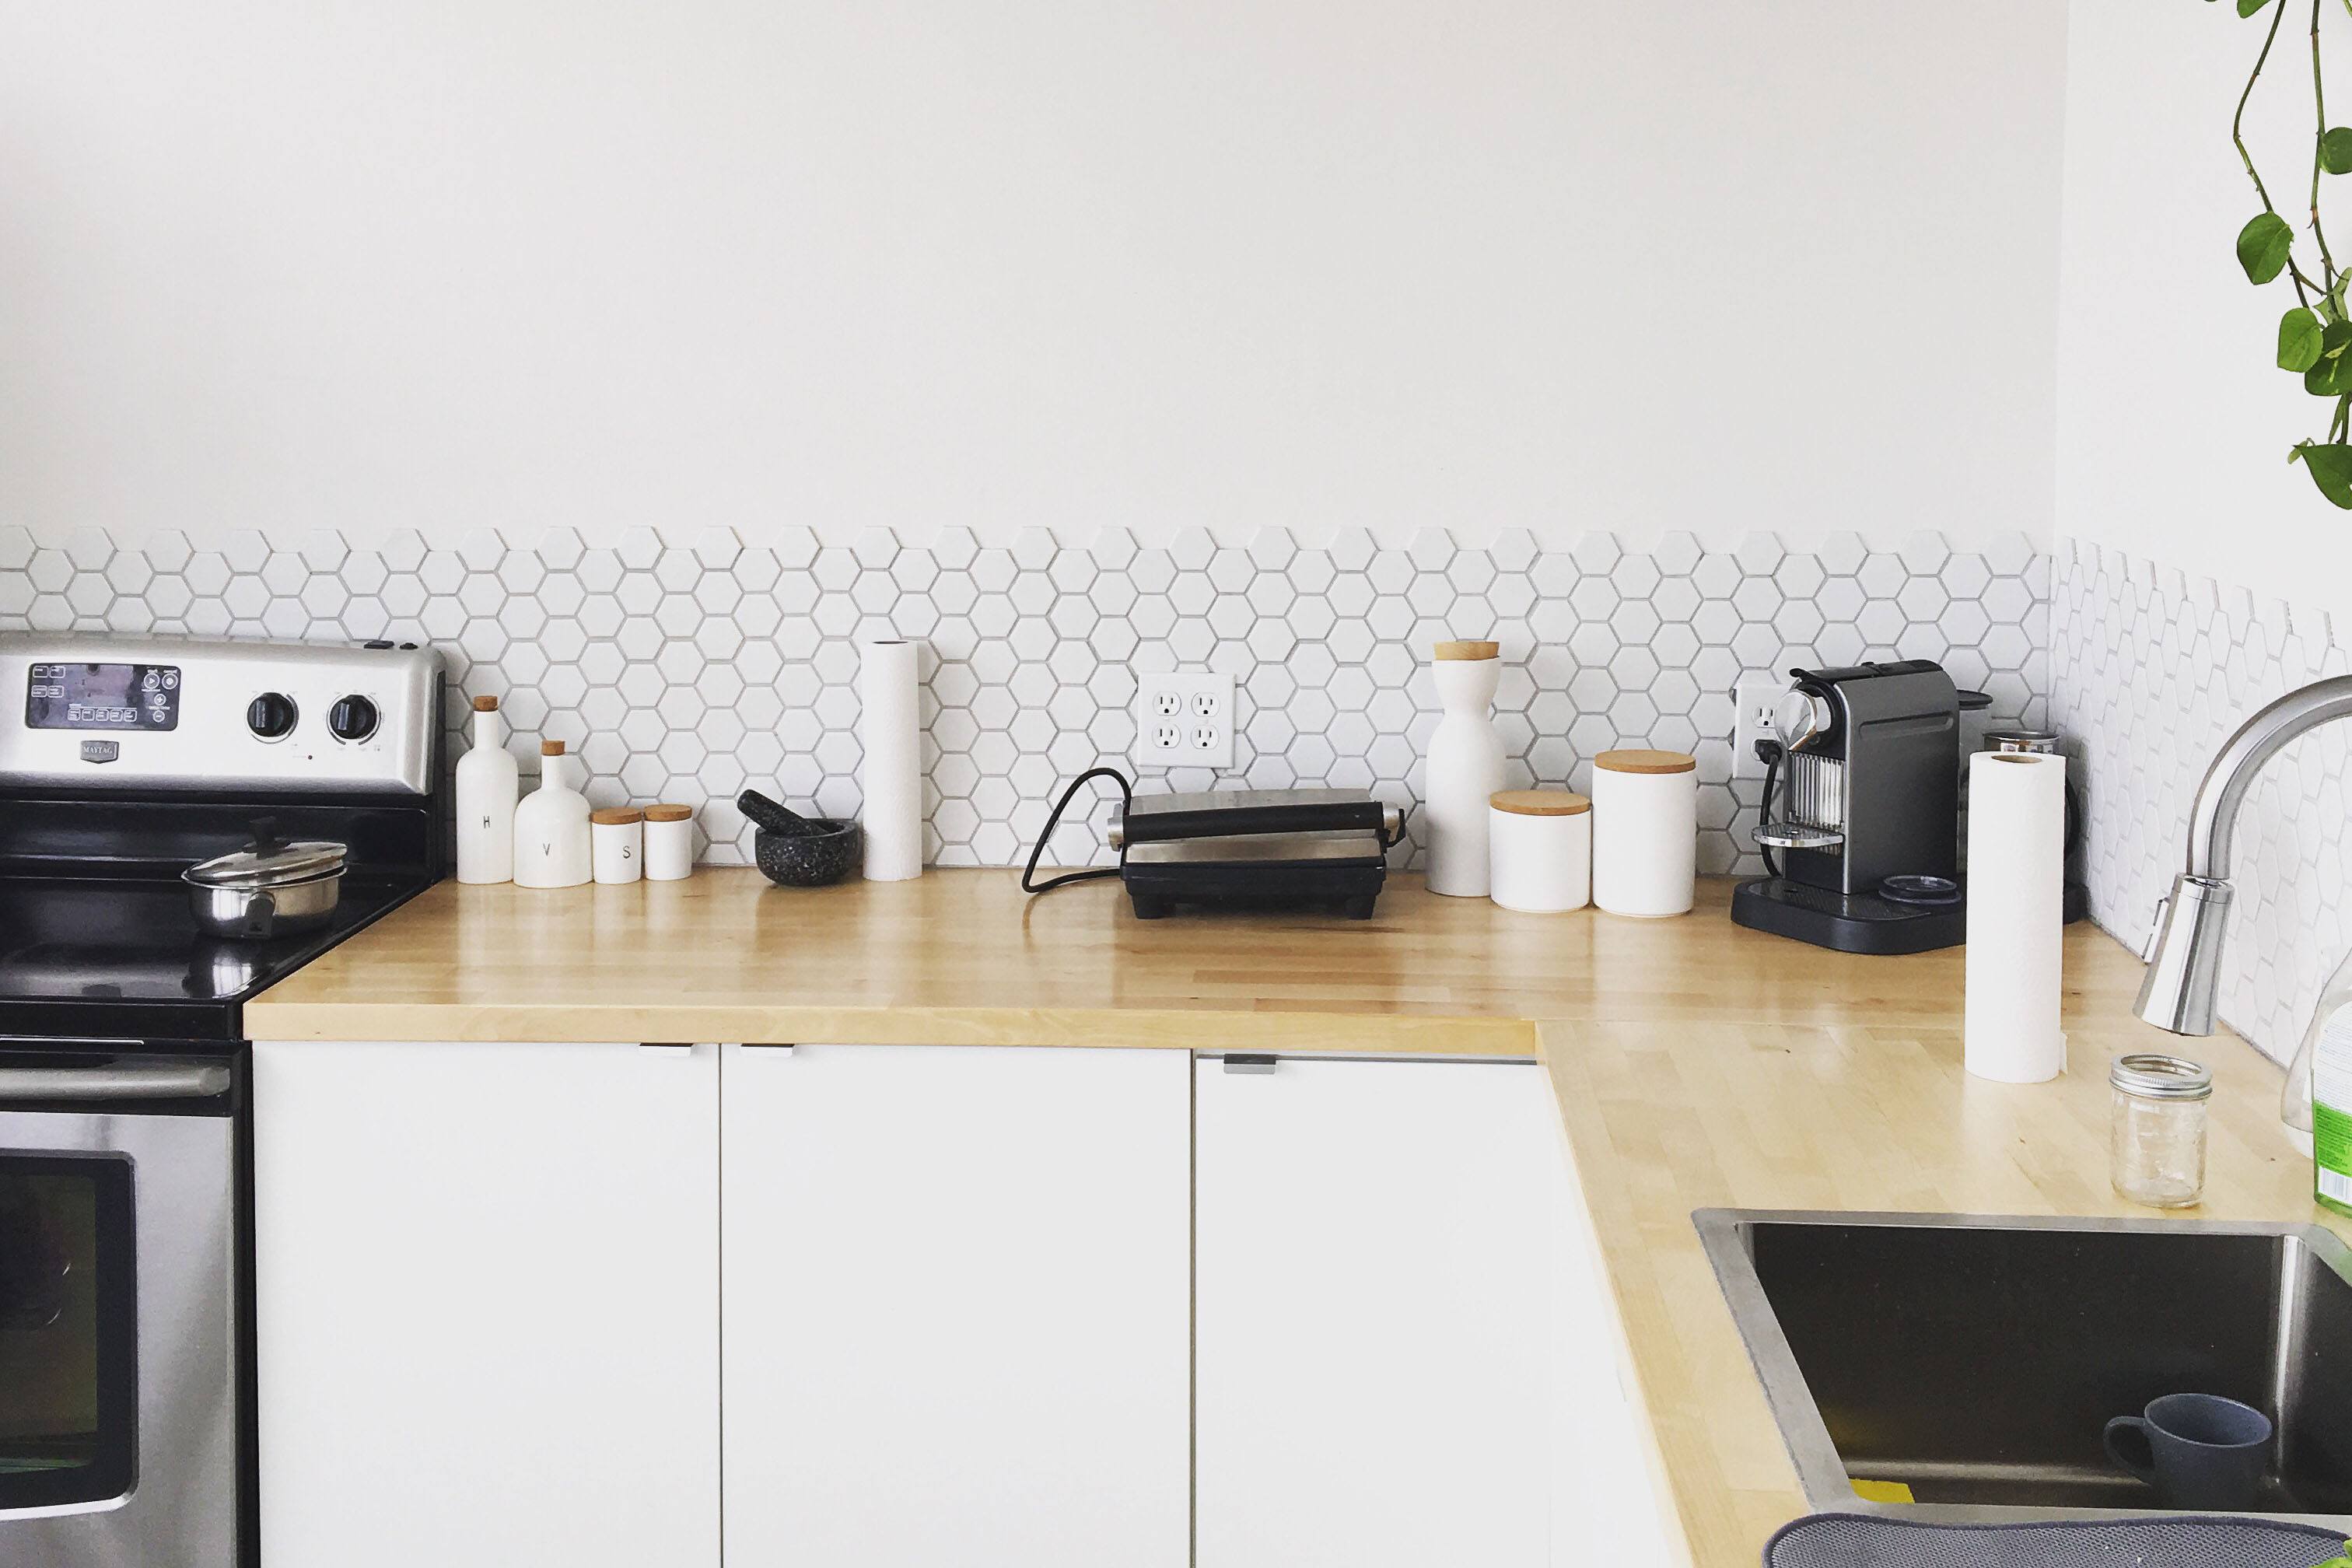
<point>269,889</point>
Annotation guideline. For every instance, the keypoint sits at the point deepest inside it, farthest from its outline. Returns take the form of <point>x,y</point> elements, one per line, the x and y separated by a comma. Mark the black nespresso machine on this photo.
<point>1861,812</point>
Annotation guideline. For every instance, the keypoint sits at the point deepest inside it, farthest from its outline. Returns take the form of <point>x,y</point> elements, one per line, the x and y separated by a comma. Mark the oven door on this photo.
<point>118,1387</point>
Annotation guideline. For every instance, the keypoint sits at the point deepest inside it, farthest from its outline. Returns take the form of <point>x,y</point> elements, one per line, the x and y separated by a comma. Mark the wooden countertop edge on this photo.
<point>1169,1028</point>
<point>1700,1502</point>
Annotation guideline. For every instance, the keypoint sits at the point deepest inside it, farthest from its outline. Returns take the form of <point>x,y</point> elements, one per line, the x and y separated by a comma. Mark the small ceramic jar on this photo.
<point>1539,847</point>
<point>669,842</point>
<point>616,841</point>
<point>1645,832</point>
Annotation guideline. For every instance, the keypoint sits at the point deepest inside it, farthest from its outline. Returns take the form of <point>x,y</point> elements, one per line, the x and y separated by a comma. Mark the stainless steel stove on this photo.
<point>125,1166</point>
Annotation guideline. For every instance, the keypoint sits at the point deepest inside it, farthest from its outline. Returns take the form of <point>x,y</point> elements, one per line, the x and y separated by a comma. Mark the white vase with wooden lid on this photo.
<point>1465,767</point>
<point>550,831</point>
<point>1645,832</point>
<point>490,786</point>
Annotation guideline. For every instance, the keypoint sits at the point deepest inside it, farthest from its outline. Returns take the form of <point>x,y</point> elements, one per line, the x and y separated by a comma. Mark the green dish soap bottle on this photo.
<point>2318,1105</point>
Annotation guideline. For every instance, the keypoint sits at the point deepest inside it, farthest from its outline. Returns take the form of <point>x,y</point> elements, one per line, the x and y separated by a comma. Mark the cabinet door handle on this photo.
<point>1236,1061</point>
<point>667,1047</point>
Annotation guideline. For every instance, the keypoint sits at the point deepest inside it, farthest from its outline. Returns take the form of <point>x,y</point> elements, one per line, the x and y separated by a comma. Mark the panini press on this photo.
<point>1255,849</point>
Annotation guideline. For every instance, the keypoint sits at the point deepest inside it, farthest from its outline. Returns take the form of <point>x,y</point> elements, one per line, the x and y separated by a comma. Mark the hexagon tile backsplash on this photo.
<point>2150,672</point>
<point>687,666</point>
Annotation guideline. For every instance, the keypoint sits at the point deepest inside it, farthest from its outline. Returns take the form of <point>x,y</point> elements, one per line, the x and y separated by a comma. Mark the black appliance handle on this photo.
<point>116,1081</point>
<point>1244,821</point>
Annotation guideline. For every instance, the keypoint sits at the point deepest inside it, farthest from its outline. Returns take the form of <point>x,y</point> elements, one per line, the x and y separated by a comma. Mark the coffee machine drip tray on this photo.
<point>1848,922</point>
<point>1862,922</point>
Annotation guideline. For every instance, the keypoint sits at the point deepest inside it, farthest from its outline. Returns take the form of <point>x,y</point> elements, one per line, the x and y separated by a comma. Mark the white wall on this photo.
<point>2173,423</point>
<point>1718,265</point>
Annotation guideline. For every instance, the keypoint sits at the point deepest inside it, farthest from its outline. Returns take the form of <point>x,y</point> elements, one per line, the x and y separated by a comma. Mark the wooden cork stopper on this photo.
<point>551,748</point>
<point>1469,649</point>
<point>486,704</point>
<point>668,812</point>
<point>617,815</point>
<point>1642,761</point>
<point>1539,801</point>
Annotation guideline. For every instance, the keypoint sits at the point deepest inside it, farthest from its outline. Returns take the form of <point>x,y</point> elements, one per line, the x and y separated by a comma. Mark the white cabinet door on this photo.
<point>1375,1261</point>
<point>956,1307</point>
<point>488,1304</point>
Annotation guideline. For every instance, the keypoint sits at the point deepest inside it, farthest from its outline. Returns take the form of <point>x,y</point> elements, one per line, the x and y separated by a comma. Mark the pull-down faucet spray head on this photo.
<point>2184,950</point>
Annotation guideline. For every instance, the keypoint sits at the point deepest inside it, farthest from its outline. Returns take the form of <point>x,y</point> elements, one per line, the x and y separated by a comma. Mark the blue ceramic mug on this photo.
<point>2203,1452</point>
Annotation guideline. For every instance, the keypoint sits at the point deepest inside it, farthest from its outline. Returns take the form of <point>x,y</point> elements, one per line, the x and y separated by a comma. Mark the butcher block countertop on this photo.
<point>1696,1065</point>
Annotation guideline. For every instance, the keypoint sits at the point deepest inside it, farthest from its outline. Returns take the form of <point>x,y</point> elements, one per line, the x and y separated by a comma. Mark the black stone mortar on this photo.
<point>820,852</point>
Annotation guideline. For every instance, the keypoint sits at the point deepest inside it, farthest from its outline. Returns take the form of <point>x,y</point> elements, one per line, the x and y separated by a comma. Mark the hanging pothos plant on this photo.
<point>2315,339</point>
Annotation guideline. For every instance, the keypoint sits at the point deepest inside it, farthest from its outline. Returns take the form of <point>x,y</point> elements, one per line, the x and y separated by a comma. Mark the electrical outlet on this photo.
<point>1755,698</point>
<point>1183,720</point>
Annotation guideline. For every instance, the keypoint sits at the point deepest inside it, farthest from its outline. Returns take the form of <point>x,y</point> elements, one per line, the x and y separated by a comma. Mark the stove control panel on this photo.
<point>121,713</point>
<point>72,696</point>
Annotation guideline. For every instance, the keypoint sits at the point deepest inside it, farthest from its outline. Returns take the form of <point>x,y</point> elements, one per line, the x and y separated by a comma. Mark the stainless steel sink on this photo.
<point>1977,1361</point>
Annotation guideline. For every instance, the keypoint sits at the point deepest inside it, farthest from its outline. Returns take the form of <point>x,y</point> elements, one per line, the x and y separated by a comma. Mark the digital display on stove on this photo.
<point>102,697</point>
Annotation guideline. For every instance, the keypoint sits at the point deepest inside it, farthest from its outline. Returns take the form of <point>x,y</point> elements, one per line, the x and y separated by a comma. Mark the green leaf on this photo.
<point>2336,150</point>
<point>2330,375</point>
<point>2300,340</point>
<point>2263,246</point>
<point>2331,470</point>
<point>2248,7</point>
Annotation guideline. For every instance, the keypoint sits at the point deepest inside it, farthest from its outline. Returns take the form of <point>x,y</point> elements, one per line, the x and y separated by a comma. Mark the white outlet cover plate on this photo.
<point>1753,701</point>
<point>1183,720</point>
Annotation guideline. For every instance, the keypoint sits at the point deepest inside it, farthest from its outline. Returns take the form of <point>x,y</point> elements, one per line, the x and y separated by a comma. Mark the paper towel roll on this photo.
<point>891,775</point>
<point>2016,860</point>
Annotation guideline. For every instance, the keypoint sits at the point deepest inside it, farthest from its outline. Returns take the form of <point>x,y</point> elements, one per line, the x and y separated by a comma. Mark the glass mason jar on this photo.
<point>2156,1130</point>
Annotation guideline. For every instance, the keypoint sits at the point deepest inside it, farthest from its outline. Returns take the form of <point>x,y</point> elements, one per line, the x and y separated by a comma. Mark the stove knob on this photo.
<point>270,715</point>
<point>353,719</point>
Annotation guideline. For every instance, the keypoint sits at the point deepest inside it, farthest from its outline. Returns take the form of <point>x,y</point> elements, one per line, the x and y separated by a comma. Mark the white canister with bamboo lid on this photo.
<point>669,842</point>
<point>1645,832</point>
<point>616,839</point>
<point>1465,767</point>
<point>1539,844</point>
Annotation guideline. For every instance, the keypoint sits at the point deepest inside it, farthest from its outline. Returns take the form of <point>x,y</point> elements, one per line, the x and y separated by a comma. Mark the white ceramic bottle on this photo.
<point>488,785</point>
<point>550,826</point>
<point>1465,767</point>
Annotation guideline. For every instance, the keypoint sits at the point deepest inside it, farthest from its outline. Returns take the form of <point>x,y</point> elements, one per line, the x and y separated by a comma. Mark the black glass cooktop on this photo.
<point>121,958</point>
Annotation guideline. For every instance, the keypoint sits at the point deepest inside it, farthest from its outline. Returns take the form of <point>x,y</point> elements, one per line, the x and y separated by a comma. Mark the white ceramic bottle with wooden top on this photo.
<point>490,786</point>
<point>1465,767</point>
<point>550,826</point>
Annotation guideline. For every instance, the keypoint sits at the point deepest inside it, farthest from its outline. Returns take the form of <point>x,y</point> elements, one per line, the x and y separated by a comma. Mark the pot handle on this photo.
<point>260,918</point>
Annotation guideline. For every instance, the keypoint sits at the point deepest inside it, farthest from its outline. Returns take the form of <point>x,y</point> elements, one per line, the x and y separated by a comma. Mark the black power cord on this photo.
<point>1770,751</point>
<point>1029,884</point>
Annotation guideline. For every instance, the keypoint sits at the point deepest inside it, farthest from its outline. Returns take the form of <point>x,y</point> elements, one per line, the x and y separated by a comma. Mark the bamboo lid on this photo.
<point>1646,762</point>
<point>1469,649</point>
<point>486,704</point>
<point>551,748</point>
<point>617,815</point>
<point>668,812</point>
<point>1539,801</point>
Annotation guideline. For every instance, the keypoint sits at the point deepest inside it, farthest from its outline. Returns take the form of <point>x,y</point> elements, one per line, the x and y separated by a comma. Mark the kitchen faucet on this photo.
<point>2184,952</point>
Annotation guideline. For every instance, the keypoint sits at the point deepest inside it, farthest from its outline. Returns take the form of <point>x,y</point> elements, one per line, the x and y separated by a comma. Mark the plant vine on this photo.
<point>2314,338</point>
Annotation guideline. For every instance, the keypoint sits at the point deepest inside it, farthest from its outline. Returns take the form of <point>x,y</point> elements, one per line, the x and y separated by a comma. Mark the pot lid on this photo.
<point>270,866</point>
